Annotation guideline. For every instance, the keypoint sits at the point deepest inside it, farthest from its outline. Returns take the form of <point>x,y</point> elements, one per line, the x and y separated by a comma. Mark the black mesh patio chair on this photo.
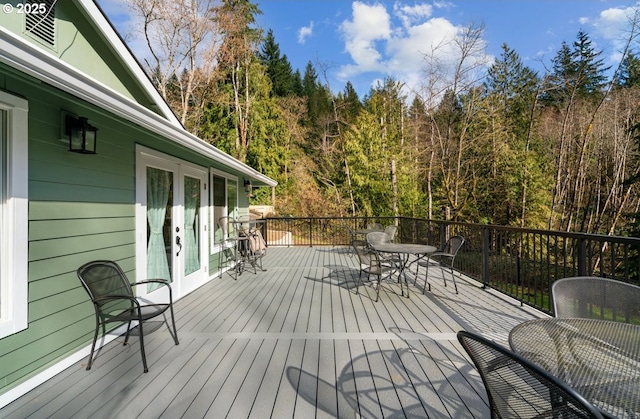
<point>391,232</point>
<point>381,237</point>
<point>229,252</point>
<point>443,257</point>
<point>596,298</point>
<point>114,301</point>
<point>372,264</point>
<point>375,226</point>
<point>517,388</point>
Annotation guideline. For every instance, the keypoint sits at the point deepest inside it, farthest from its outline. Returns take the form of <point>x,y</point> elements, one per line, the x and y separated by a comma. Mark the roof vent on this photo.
<point>40,20</point>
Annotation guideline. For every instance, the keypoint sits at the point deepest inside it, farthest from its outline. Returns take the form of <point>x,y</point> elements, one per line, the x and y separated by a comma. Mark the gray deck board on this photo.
<point>299,340</point>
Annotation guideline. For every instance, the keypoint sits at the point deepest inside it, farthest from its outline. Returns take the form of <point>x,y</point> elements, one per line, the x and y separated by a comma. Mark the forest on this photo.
<point>494,143</point>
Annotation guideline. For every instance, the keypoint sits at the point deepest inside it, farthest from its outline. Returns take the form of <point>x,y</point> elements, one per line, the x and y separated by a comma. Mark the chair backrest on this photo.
<point>453,245</point>
<point>378,237</point>
<point>102,278</point>
<point>518,388</point>
<point>596,298</point>
<point>375,226</point>
<point>391,231</point>
<point>365,255</point>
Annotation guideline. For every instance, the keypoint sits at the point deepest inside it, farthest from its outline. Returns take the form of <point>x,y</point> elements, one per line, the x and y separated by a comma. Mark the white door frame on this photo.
<point>181,284</point>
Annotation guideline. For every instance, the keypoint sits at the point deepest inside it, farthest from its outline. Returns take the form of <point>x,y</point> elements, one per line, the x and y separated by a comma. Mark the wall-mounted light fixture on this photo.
<point>82,135</point>
<point>248,187</point>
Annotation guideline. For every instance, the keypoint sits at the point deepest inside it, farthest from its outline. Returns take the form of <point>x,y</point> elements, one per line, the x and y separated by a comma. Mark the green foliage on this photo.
<point>487,152</point>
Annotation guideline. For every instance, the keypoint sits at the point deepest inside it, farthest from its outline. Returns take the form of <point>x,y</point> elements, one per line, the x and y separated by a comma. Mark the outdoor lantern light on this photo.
<point>248,187</point>
<point>82,135</point>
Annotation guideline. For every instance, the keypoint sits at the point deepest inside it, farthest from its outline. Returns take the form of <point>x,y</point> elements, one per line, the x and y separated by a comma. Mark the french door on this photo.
<point>171,224</point>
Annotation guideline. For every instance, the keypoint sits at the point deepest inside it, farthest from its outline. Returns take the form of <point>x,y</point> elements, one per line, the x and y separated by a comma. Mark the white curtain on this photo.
<point>191,239</point>
<point>158,188</point>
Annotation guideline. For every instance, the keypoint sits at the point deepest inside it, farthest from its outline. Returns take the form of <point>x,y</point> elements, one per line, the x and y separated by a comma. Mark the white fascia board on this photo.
<point>43,66</point>
<point>95,14</point>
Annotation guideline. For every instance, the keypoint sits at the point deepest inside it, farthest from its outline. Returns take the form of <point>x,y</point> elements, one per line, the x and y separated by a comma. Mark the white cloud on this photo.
<point>369,25</point>
<point>305,32</point>
<point>612,25</point>
<point>411,14</point>
<point>397,45</point>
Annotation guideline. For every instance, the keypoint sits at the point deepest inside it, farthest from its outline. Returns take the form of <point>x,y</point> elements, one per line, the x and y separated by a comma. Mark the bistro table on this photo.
<point>600,359</point>
<point>405,250</point>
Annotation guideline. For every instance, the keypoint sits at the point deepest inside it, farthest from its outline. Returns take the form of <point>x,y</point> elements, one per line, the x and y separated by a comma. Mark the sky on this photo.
<point>365,41</point>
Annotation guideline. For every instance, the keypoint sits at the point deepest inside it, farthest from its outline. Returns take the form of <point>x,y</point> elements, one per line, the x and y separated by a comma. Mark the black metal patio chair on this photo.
<point>596,298</point>
<point>114,301</point>
<point>441,257</point>
<point>372,264</point>
<point>517,388</point>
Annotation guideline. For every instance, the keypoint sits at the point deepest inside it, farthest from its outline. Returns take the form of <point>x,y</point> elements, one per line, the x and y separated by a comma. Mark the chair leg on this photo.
<point>126,336</point>
<point>426,278</point>
<point>173,322</point>
<point>141,338</point>
<point>454,279</point>
<point>93,345</point>
<point>378,288</point>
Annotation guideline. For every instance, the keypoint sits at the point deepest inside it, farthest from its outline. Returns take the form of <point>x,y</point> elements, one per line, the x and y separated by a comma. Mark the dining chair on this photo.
<point>114,301</point>
<point>446,254</point>
<point>381,237</point>
<point>391,231</point>
<point>375,227</point>
<point>596,298</point>
<point>518,388</point>
<point>372,264</point>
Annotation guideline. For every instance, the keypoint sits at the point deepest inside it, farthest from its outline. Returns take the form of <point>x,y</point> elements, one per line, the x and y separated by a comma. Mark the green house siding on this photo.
<point>81,207</point>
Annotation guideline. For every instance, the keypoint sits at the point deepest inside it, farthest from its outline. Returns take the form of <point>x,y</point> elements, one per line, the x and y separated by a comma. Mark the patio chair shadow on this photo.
<point>407,382</point>
<point>320,393</point>
<point>342,276</point>
<point>393,384</point>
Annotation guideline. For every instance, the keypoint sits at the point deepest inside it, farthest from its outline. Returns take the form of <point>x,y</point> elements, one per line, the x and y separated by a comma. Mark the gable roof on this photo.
<point>35,61</point>
<point>107,31</point>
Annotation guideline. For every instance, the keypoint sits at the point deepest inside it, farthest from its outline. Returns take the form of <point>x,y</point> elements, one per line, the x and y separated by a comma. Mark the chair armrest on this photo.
<point>157,281</point>
<point>152,281</point>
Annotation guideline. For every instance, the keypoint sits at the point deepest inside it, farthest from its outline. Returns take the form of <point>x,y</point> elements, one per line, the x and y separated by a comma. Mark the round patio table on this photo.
<point>600,359</point>
<point>405,250</point>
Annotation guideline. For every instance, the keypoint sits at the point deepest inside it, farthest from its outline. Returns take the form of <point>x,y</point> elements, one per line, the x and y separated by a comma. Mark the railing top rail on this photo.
<point>565,234</point>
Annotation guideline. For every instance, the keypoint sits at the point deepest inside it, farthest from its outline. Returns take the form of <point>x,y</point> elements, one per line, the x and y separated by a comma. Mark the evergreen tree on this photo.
<point>578,72</point>
<point>629,72</point>
<point>278,67</point>
<point>511,148</point>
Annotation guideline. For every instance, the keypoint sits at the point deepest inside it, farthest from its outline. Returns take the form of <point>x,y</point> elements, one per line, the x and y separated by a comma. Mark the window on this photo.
<point>13,214</point>
<point>224,195</point>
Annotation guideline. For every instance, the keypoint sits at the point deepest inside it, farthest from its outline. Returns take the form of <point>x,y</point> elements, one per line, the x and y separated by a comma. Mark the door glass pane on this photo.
<point>219,206</point>
<point>159,225</point>
<point>191,223</point>
<point>232,198</point>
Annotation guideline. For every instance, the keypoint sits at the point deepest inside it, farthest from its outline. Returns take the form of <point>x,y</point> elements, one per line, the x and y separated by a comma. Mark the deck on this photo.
<point>295,341</point>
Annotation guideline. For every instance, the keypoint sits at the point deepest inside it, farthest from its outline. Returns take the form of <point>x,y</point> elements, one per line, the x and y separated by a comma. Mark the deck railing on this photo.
<point>522,263</point>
